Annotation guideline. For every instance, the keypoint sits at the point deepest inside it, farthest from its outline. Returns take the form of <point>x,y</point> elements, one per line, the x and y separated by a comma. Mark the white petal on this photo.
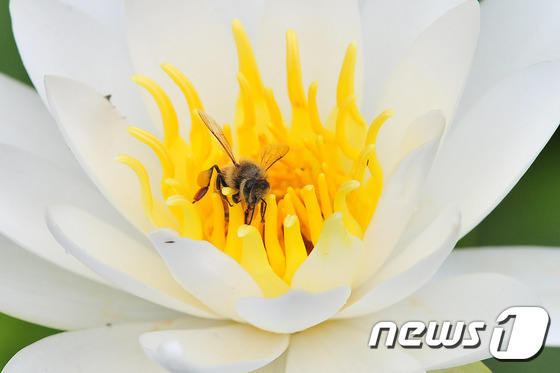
<point>486,153</point>
<point>27,124</point>
<point>338,347</point>
<point>408,268</point>
<point>425,128</point>
<point>431,75</point>
<point>37,291</point>
<point>58,39</point>
<point>129,264</point>
<point>398,201</point>
<point>513,35</point>
<point>324,29</point>
<point>30,184</point>
<point>334,261</point>
<point>537,267</point>
<point>475,297</point>
<point>211,275</point>
<point>112,349</point>
<point>191,37</point>
<point>293,311</point>
<point>108,13</point>
<point>389,28</point>
<point>96,133</point>
<point>231,349</point>
<point>277,366</point>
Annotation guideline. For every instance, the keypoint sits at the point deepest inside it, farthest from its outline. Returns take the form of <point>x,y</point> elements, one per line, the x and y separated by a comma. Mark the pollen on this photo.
<point>331,167</point>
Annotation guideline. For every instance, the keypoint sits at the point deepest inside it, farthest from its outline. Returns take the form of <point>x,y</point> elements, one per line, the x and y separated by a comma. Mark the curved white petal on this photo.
<point>431,75</point>
<point>293,311</point>
<point>474,297</point>
<point>488,150</point>
<point>324,30</point>
<point>389,28</point>
<point>537,267</point>
<point>191,37</point>
<point>30,184</point>
<point>231,349</point>
<point>110,349</point>
<point>398,201</point>
<point>27,124</point>
<point>96,133</point>
<point>129,264</point>
<point>408,267</point>
<point>425,128</point>
<point>339,347</point>
<point>108,13</point>
<point>37,291</point>
<point>89,52</point>
<point>277,366</point>
<point>334,261</point>
<point>513,35</point>
<point>211,275</point>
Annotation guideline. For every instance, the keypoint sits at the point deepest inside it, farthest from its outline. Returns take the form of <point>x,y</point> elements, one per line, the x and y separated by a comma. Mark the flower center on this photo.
<point>323,172</point>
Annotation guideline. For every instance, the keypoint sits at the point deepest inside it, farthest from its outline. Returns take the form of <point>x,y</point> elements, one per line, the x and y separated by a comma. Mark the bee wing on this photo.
<point>216,130</point>
<point>271,153</point>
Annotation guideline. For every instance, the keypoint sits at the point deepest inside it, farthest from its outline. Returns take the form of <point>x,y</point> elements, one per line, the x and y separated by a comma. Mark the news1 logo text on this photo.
<point>519,335</point>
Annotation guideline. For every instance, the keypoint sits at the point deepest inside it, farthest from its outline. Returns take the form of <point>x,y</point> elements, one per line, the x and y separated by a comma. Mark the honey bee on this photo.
<point>247,178</point>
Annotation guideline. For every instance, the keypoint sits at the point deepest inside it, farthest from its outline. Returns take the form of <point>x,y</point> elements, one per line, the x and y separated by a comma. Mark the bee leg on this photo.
<point>219,183</point>
<point>263,210</point>
<point>198,196</point>
<point>204,179</point>
<point>252,209</point>
<point>235,197</point>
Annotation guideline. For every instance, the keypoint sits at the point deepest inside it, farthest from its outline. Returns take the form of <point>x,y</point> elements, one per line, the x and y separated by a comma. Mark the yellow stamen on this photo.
<point>374,185</point>
<point>154,210</point>
<point>199,135</point>
<point>295,248</point>
<point>346,78</point>
<point>236,217</point>
<point>247,61</point>
<point>246,131</point>
<point>326,206</point>
<point>363,159</point>
<point>345,146</point>
<point>178,188</point>
<point>254,260</point>
<point>191,226</point>
<point>376,125</point>
<point>273,249</point>
<point>313,213</point>
<point>275,113</point>
<point>169,117</point>
<point>218,233</point>
<point>298,206</point>
<point>340,205</point>
<point>314,114</point>
<point>295,82</point>
<point>153,142</point>
<point>289,205</point>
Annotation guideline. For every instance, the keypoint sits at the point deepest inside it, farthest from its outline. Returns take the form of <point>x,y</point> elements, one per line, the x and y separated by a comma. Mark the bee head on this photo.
<point>254,190</point>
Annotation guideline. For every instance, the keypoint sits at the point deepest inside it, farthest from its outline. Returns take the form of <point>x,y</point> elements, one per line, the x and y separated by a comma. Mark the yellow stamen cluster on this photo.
<point>324,171</point>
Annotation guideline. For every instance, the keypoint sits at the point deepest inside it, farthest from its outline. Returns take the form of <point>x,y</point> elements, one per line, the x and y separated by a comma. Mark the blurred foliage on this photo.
<point>529,215</point>
<point>477,367</point>
<point>10,62</point>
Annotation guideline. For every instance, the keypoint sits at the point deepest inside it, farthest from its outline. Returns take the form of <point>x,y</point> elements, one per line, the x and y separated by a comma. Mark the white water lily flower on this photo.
<point>360,217</point>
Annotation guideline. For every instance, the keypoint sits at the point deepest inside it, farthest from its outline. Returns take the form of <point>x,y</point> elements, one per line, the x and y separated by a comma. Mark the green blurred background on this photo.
<point>529,215</point>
